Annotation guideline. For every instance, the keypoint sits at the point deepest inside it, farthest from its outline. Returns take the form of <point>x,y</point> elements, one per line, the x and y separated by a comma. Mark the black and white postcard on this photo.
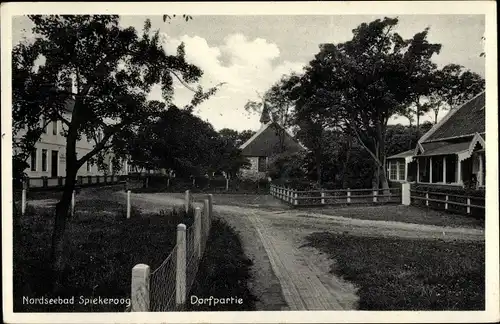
<point>250,162</point>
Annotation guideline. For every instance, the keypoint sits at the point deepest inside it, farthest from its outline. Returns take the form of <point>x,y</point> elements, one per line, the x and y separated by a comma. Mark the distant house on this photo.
<point>451,153</point>
<point>266,142</point>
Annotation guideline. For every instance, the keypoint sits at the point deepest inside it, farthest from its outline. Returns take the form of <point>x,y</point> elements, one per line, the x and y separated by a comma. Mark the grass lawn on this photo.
<point>103,246</point>
<point>224,271</point>
<point>405,214</point>
<point>401,274</point>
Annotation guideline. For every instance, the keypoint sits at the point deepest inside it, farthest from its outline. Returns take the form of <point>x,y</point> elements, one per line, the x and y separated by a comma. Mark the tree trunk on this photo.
<point>62,208</point>
<point>436,112</point>
<point>58,234</point>
<point>345,170</point>
<point>418,121</point>
<point>318,170</point>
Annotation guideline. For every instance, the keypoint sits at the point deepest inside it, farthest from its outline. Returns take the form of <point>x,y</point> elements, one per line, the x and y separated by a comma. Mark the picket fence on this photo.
<point>166,288</point>
<point>334,197</point>
<point>46,182</point>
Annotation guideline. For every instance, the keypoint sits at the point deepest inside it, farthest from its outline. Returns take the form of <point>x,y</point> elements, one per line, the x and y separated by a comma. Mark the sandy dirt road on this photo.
<point>288,276</point>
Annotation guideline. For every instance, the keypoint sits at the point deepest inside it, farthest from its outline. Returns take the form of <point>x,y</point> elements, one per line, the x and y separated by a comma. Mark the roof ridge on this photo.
<point>447,117</point>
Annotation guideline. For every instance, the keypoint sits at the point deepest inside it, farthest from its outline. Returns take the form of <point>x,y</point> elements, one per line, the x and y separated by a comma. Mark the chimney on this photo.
<point>265,116</point>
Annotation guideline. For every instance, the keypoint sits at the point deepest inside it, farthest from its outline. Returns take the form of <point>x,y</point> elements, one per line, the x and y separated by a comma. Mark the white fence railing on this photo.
<point>166,288</point>
<point>447,201</point>
<point>46,182</point>
<point>334,197</point>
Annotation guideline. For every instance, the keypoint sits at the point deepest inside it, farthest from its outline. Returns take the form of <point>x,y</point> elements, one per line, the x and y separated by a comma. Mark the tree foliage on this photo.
<point>360,84</point>
<point>170,143</point>
<point>113,69</point>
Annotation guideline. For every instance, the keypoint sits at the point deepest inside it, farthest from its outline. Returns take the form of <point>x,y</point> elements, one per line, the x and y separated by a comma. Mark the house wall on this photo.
<point>50,142</point>
<point>253,171</point>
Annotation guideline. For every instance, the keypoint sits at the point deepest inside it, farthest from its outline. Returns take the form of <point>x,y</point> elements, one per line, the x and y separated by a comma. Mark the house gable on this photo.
<point>266,142</point>
<point>463,121</point>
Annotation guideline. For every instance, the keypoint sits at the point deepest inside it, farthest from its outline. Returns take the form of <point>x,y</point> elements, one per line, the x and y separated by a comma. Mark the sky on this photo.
<point>250,53</point>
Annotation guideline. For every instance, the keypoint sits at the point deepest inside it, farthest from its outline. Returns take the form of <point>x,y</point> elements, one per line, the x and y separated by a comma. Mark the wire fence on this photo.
<point>166,288</point>
<point>162,284</point>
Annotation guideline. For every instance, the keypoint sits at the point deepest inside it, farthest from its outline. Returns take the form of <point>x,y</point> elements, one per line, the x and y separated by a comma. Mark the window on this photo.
<point>393,170</point>
<point>89,166</point>
<point>423,169</point>
<point>402,170</point>
<point>44,160</point>
<point>54,127</point>
<point>451,168</point>
<point>262,164</point>
<point>437,169</point>
<point>33,160</point>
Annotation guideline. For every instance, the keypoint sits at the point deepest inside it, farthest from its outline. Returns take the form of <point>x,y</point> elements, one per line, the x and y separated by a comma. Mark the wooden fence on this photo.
<point>462,204</point>
<point>335,197</point>
<point>167,287</point>
<point>58,182</point>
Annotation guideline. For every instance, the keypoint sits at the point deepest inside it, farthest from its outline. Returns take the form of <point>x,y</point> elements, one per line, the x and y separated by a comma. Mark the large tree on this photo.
<point>114,70</point>
<point>371,78</point>
<point>454,85</point>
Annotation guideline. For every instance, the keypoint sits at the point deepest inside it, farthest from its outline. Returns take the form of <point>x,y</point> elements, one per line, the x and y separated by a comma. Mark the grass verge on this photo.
<point>103,246</point>
<point>405,214</point>
<point>224,272</point>
<point>402,274</point>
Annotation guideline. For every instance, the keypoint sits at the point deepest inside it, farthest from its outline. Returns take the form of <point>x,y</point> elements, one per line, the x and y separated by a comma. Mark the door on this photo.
<point>55,162</point>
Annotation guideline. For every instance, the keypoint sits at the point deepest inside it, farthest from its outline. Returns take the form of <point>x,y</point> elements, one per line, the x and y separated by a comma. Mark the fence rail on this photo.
<point>335,197</point>
<point>167,287</point>
<point>451,202</point>
<point>57,182</point>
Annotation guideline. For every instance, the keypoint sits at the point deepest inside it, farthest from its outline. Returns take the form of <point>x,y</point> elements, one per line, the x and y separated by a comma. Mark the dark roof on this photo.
<point>266,143</point>
<point>402,155</point>
<point>468,119</point>
<point>442,148</point>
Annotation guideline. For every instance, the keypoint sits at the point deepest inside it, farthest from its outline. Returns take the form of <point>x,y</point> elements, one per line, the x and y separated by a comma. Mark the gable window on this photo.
<point>33,160</point>
<point>44,160</point>
<point>89,166</point>
<point>262,165</point>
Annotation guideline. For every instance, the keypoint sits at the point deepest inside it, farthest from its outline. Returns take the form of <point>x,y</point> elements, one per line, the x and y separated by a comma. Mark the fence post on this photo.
<point>405,194</point>
<point>206,213</point>
<point>139,297</point>
<point>168,182</point>
<point>210,207</point>
<point>446,203</point>
<point>187,200</point>
<point>197,231</point>
<point>180,275</point>
<point>348,195</point>
<point>227,184</point>
<point>374,196</point>
<point>73,204</point>
<point>322,198</point>
<point>468,205</point>
<point>128,203</point>
<point>23,199</point>
<point>147,181</point>
<point>427,199</point>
